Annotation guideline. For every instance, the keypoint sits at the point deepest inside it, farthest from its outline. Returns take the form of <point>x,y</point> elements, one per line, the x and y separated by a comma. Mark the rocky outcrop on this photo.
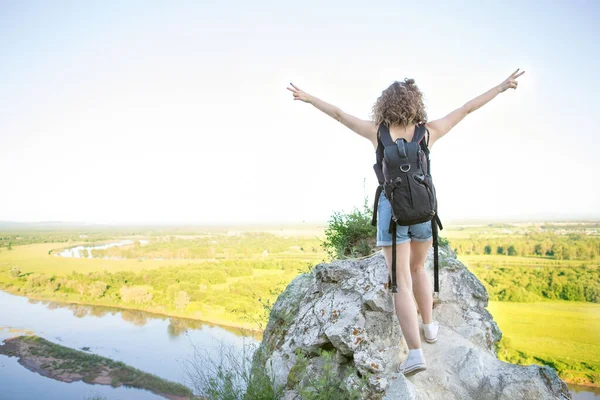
<point>339,322</point>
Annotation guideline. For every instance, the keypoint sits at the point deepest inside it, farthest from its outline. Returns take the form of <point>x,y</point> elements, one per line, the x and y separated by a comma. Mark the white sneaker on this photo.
<point>431,331</point>
<point>413,363</point>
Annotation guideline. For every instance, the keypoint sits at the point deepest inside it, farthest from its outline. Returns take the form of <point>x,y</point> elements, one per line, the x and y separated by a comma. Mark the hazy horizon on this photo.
<point>148,112</point>
<point>182,224</point>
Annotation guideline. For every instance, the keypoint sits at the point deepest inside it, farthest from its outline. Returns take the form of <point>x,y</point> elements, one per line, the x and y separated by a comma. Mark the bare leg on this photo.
<point>404,303</point>
<point>420,281</point>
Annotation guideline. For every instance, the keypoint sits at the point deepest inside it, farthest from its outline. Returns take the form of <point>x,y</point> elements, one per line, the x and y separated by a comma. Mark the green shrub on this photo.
<point>442,241</point>
<point>350,235</point>
<point>326,383</point>
<point>231,374</point>
<point>135,294</point>
<point>15,272</point>
<point>97,289</point>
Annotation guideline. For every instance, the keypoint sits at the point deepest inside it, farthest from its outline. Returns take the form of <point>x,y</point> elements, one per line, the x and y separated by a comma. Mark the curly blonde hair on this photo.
<point>400,104</point>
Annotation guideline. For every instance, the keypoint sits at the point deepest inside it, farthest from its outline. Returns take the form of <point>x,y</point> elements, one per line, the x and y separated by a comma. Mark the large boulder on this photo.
<point>339,322</point>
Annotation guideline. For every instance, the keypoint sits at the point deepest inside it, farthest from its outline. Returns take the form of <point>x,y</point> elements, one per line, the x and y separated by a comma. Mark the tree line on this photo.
<point>535,283</point>
<point>206,290</point>
<point>560,247</point>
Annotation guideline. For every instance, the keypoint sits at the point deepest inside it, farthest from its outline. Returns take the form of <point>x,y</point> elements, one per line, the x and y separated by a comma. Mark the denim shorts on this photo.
<point>418,232</point>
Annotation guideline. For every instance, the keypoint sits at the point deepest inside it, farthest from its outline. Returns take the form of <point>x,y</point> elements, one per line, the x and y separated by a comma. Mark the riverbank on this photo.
<point>240,328</point>
<point>68,365</point>
<point>225,292</point>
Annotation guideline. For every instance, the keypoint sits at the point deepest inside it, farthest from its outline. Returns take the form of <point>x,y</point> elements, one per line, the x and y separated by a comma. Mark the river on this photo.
<point>85,251</point>
<point>151,343</point>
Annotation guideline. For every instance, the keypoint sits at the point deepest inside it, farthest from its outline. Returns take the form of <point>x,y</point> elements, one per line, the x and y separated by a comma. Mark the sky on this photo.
<point>177,112</point>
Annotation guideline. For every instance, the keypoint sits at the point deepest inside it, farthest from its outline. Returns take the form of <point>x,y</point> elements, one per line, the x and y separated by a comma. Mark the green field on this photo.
<point>562,334</point>
<point>543,280</point>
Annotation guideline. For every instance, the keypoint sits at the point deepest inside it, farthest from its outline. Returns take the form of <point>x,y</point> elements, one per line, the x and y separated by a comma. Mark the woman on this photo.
<point>401,108</point>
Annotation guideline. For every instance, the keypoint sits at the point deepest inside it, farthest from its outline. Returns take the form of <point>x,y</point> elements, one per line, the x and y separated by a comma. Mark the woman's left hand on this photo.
<point>510,82</point>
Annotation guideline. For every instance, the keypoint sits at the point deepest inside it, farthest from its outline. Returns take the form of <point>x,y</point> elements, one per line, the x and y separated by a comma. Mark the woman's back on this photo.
<point>397,132</point>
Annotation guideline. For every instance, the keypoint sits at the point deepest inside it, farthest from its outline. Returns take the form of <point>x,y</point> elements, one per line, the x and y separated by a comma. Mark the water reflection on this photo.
<point>156,344</point>
<point>580,392</point>
<point>135,317</point>
<point>176,327</point>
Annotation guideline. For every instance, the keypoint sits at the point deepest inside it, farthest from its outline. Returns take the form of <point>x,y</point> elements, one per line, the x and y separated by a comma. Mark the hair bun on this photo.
<point>409,81</point>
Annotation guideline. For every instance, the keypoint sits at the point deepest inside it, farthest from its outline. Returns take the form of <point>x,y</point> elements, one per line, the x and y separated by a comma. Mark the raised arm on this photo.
<point>364,128</point>
<point>440,127</point>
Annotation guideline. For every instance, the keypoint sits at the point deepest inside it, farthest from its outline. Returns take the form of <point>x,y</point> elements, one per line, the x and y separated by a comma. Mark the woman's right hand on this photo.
<point>510,82</point>
<point>299,94</point>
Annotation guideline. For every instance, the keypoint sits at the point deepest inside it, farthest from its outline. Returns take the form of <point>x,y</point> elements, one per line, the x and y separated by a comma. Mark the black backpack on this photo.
<point>403,170</point>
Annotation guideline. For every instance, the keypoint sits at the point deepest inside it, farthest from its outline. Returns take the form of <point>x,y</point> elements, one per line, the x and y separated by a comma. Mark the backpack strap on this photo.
<point>378,167</point>
<point>383,133</point>
<point>390,149</point>
<point>394,284</point>
<point>379,152</point>
<point>435,222</point>
<point>436,265</point>
<point>420,132</point>
<point>422,137</point>
<point>375,205</point>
